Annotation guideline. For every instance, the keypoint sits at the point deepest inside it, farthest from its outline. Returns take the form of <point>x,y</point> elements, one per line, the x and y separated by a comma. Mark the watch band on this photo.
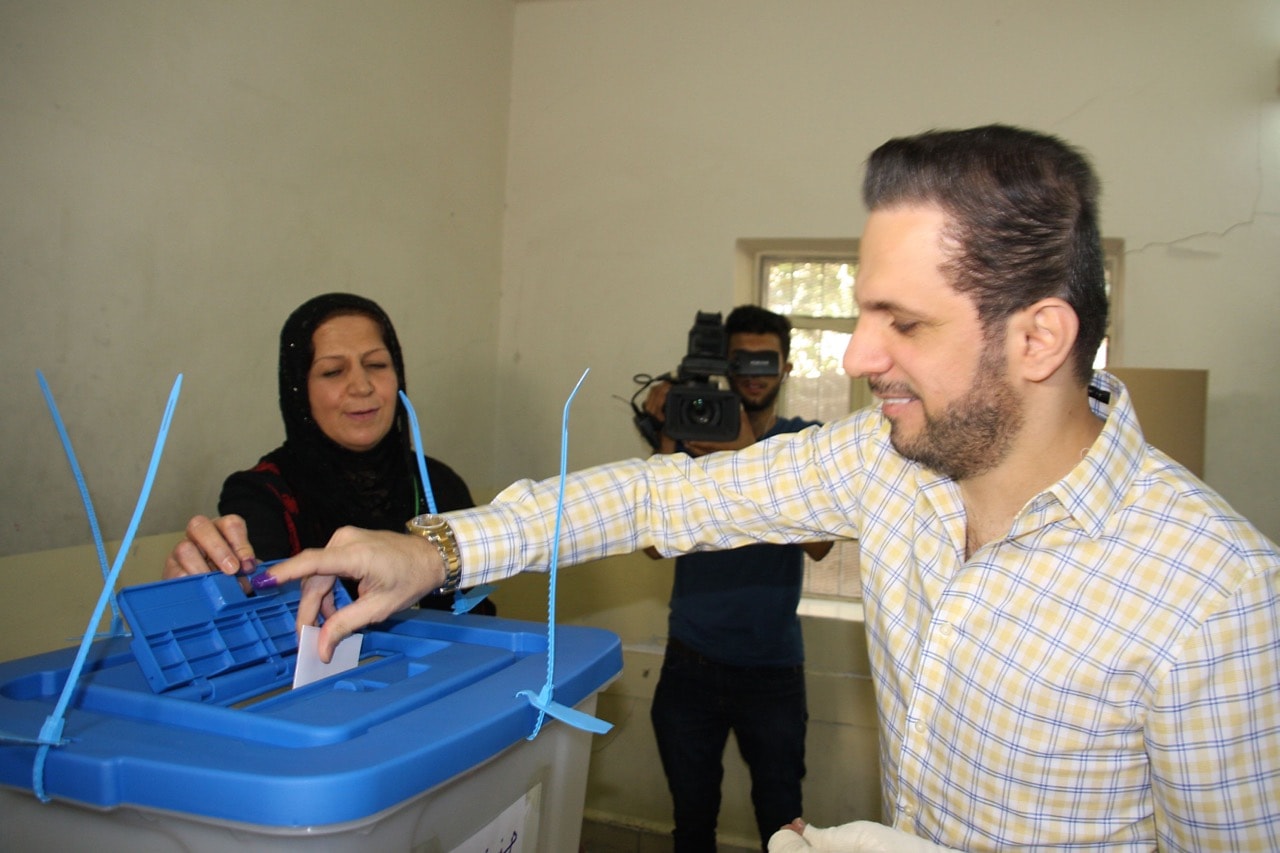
<point>437,531</point>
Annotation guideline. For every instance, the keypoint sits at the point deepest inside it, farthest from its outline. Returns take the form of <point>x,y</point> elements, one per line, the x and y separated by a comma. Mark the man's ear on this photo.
<point>1044,334</point>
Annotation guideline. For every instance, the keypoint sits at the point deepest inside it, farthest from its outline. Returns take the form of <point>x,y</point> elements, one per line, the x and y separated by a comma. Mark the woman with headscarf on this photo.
<point>347,458</point>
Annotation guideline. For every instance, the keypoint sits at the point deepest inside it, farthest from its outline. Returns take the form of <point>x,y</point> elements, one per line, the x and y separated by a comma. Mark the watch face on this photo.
<point>429,523</point>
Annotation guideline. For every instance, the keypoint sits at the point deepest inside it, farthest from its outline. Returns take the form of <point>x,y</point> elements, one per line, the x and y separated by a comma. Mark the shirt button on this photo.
<point>907,810</point>
<point>920,728</point>
<point>944,630</point>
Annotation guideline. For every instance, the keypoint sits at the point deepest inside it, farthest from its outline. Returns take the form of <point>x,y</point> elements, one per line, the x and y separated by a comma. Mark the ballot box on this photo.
<point>188,736</point>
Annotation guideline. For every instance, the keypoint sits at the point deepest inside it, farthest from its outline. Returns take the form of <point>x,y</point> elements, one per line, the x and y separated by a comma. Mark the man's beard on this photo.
<point>975,433</point>
<point>763,403</point>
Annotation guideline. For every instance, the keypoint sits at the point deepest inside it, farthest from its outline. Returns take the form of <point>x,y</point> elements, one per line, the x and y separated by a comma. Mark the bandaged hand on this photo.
<point>862,836</point>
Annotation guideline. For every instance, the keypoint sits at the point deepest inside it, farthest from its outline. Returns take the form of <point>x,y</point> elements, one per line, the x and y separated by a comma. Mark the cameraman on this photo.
<point>735,657</point>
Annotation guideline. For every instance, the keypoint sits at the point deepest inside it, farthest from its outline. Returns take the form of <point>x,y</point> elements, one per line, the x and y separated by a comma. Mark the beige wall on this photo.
<point>539,187</point>
<point>53,594</point>
<point>178,176</point>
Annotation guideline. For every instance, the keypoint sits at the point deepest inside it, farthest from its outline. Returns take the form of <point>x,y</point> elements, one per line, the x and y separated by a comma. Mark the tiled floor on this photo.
<point>611,838</point>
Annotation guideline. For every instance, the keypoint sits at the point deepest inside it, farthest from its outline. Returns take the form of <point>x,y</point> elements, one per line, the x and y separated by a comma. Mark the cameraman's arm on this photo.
<point>817,550</point>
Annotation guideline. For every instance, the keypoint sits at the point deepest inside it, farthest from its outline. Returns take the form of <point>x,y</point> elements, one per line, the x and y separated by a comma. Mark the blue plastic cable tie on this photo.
<point>117,623</point>
<point>418,452</point>
<point>542,701</point>
<point>563,713</point>
<point>51,731</point>
<point>463,602</point>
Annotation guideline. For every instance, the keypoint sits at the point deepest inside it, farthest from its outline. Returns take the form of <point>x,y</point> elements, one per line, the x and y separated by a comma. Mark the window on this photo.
<point>1113,267</point>
<point>811,282</point>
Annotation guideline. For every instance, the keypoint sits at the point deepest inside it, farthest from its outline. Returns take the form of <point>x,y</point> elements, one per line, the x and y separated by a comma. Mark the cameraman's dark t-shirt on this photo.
<point>738,607</point>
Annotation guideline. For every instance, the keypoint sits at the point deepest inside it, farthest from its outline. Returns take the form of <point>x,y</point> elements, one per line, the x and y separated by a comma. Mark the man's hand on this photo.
<point>817,550</point>
<point>655,402</point>
<point>219,544</point>
<point>394,570</point>
<point>655,405</point>
<point>858,837</point>
<point>746,438</point>
<point>790,838</point>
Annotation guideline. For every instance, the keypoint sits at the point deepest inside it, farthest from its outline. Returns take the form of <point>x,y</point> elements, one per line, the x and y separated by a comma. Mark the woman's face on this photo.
<point>352,385</point>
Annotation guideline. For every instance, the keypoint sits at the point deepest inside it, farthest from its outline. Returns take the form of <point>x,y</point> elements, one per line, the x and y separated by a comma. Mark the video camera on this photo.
<point>697,408</point>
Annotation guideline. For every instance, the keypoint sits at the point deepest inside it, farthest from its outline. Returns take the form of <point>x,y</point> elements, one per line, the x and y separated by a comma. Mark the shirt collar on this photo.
<point>1093,490</point>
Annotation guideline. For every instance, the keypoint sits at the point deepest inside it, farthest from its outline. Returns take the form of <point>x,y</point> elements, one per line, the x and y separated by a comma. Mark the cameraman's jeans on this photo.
<point>696,704</point>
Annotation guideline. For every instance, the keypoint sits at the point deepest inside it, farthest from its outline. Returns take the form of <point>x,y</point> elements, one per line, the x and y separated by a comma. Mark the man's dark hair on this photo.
<point>754,320</point>
<point>1022,209</point>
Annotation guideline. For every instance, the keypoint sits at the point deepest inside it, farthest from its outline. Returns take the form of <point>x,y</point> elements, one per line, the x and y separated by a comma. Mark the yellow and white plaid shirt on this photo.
<point>1106,676</point>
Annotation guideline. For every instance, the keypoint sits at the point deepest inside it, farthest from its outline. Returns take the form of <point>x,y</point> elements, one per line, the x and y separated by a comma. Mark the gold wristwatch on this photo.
<point>437,531</point>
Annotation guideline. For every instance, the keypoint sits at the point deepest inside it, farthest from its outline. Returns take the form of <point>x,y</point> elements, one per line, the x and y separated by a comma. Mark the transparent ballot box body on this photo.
<point>187,736</point>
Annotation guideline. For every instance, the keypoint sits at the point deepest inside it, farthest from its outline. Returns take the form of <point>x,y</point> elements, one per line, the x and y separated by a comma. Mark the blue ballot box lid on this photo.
<point>203,626</point>
<point>195,713</point>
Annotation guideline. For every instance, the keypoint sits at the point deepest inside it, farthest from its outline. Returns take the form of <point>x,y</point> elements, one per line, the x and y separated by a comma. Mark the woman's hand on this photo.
<point>211,545</point>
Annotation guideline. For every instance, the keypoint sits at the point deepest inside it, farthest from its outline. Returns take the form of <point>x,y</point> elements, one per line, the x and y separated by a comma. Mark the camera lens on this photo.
<point>702,412</point>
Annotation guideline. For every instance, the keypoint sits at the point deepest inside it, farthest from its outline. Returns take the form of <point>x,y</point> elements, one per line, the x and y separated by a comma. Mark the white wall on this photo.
<point>648,136</point>
<point>178,176</point>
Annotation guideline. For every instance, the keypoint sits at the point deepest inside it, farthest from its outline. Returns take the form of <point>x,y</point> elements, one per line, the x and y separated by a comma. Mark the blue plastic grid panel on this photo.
<point>202,626</point>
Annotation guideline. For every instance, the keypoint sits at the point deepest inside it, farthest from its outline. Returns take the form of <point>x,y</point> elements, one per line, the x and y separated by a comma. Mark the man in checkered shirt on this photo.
<point>1075,643</point>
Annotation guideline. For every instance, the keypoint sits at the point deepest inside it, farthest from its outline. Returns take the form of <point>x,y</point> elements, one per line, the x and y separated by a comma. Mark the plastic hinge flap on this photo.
<point>202,626</point>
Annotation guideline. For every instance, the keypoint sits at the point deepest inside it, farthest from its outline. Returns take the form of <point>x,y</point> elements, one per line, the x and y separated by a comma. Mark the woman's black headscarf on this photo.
<point>376,488</point>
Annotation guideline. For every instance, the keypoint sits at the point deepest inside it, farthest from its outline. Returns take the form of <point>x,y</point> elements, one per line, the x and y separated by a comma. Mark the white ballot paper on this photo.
<point>310,668</point>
